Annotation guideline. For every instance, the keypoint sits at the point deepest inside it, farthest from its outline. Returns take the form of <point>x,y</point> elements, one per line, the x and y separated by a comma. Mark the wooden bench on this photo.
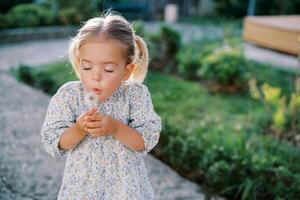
<point>280,33</point>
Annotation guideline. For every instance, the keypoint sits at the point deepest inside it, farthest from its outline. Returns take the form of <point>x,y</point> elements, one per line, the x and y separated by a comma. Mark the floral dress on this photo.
<point>103,167</point>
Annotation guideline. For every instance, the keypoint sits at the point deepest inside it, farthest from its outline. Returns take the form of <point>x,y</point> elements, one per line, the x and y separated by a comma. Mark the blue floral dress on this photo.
<point>103,167</point>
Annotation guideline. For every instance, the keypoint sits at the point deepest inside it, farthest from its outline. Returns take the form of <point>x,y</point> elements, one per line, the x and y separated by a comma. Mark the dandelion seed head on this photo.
<point>91,99</point>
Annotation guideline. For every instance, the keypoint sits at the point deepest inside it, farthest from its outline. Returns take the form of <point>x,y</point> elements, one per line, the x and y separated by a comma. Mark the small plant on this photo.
<point>164,46</point>
<point>29,14</point>
<point>70,15</point>
<point>38,79</point>
<point>25,73</point>
<point>138,27</point>
<point>227,67</point>
<point>190,58</point>
<point>285,115</point>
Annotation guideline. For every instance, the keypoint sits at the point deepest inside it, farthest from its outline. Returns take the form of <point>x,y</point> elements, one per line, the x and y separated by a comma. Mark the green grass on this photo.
<point>191,105</point>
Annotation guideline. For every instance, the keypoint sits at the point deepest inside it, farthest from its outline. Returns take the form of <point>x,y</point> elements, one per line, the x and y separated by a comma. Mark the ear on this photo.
<point>128,70</point>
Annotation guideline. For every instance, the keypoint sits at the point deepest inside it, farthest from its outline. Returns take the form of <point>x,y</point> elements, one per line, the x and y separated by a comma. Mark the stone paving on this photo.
<point>32,53</point>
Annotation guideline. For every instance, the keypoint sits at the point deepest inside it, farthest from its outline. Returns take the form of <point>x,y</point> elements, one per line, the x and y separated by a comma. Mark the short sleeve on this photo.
<point>59,117</point>
<point>142,116</point>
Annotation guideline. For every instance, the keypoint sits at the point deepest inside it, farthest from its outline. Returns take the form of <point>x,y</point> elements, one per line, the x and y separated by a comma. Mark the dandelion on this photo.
<point>91,99</point>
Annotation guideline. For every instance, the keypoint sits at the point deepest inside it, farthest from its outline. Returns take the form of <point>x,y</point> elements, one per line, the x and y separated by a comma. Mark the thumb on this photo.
<point>91,111</point>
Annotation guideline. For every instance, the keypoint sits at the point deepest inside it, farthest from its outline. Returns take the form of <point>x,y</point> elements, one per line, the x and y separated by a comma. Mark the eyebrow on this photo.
<point>86,60</point>
<point>105,62</point>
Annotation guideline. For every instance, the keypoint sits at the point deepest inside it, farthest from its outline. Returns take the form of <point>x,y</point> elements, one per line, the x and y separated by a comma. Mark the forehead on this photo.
<point>99,51</point>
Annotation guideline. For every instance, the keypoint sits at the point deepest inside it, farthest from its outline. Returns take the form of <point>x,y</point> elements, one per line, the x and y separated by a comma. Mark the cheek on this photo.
<point>113,81</point>
<point>85,79</point>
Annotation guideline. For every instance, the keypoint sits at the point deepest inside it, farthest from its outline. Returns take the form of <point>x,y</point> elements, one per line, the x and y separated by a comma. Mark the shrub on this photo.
<point>230,8</point>
<point>6,5</point>
<point>165,45</point>
<point>236,166</point>
<point>27,15</point>
<point>190,58</point>
<point>25,73</point>
<point>45,82</point>
<point>284,110</point>
<point>34,78</point>
<point>236,8</point>
<point>3,21</point>
<point>70,15</point>
<point>76,11</point>
<point>138,27</point>
<point>226,66</point>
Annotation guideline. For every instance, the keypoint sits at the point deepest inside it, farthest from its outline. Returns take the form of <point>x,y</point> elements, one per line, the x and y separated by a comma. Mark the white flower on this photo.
<point>91,99</point>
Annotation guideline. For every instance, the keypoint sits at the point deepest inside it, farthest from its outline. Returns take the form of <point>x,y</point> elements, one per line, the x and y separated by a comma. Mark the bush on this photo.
<point>190,58</point>
<point>6,5</point>
<point>171,39</point>
<point>138,27</point>
<point>165,45</point>
<point>70,16</point>
<point>283,109</point>
<point>25,73</point>
<point>236,8</point>
<point>76,11</point>
<point>230,8</point>
<point>236,166</point>
<point>3,21</point>
<point>45,82</point>
<point>226,66</point>
<point>38,79</point>
<point>28,15</point>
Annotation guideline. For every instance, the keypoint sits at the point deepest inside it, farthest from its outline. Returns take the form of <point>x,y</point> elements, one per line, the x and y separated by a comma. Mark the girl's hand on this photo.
<point>80,121</point>
<point>100,125</point>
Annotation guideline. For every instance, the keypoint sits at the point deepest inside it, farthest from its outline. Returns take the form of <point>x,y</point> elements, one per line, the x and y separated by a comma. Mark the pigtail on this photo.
<point>141,61</point>
<point>73,55</point>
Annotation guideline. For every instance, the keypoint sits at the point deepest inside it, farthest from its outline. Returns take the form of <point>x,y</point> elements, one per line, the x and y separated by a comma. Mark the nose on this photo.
<point>97,75</point>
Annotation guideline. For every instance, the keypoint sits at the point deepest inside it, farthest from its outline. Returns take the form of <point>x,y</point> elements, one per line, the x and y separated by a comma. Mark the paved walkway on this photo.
<point>32,53</point>
<point>275,58</point>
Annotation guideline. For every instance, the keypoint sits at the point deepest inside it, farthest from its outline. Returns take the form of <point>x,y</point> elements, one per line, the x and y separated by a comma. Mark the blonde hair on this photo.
<point>115,27</point>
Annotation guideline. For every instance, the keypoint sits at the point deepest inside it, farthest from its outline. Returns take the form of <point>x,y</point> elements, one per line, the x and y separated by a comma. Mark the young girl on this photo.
<point>105,144</point>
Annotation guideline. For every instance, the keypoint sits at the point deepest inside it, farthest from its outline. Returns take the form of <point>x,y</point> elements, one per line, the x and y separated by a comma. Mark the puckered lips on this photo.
<point>97,90</point>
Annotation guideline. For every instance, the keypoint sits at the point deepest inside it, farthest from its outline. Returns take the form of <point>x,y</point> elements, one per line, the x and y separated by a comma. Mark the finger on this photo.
<point>91,112</point>
<point>93,118</point>
<point>92,125</point>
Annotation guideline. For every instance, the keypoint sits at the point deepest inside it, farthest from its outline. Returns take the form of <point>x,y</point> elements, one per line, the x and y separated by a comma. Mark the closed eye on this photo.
<point>109,71</point>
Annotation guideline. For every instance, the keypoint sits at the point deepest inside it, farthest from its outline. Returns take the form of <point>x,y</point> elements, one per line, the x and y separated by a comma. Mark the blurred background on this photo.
<point>223,75</point>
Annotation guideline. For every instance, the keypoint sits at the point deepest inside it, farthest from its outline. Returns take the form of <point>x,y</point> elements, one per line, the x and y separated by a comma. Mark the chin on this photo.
<point>101,98</point>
